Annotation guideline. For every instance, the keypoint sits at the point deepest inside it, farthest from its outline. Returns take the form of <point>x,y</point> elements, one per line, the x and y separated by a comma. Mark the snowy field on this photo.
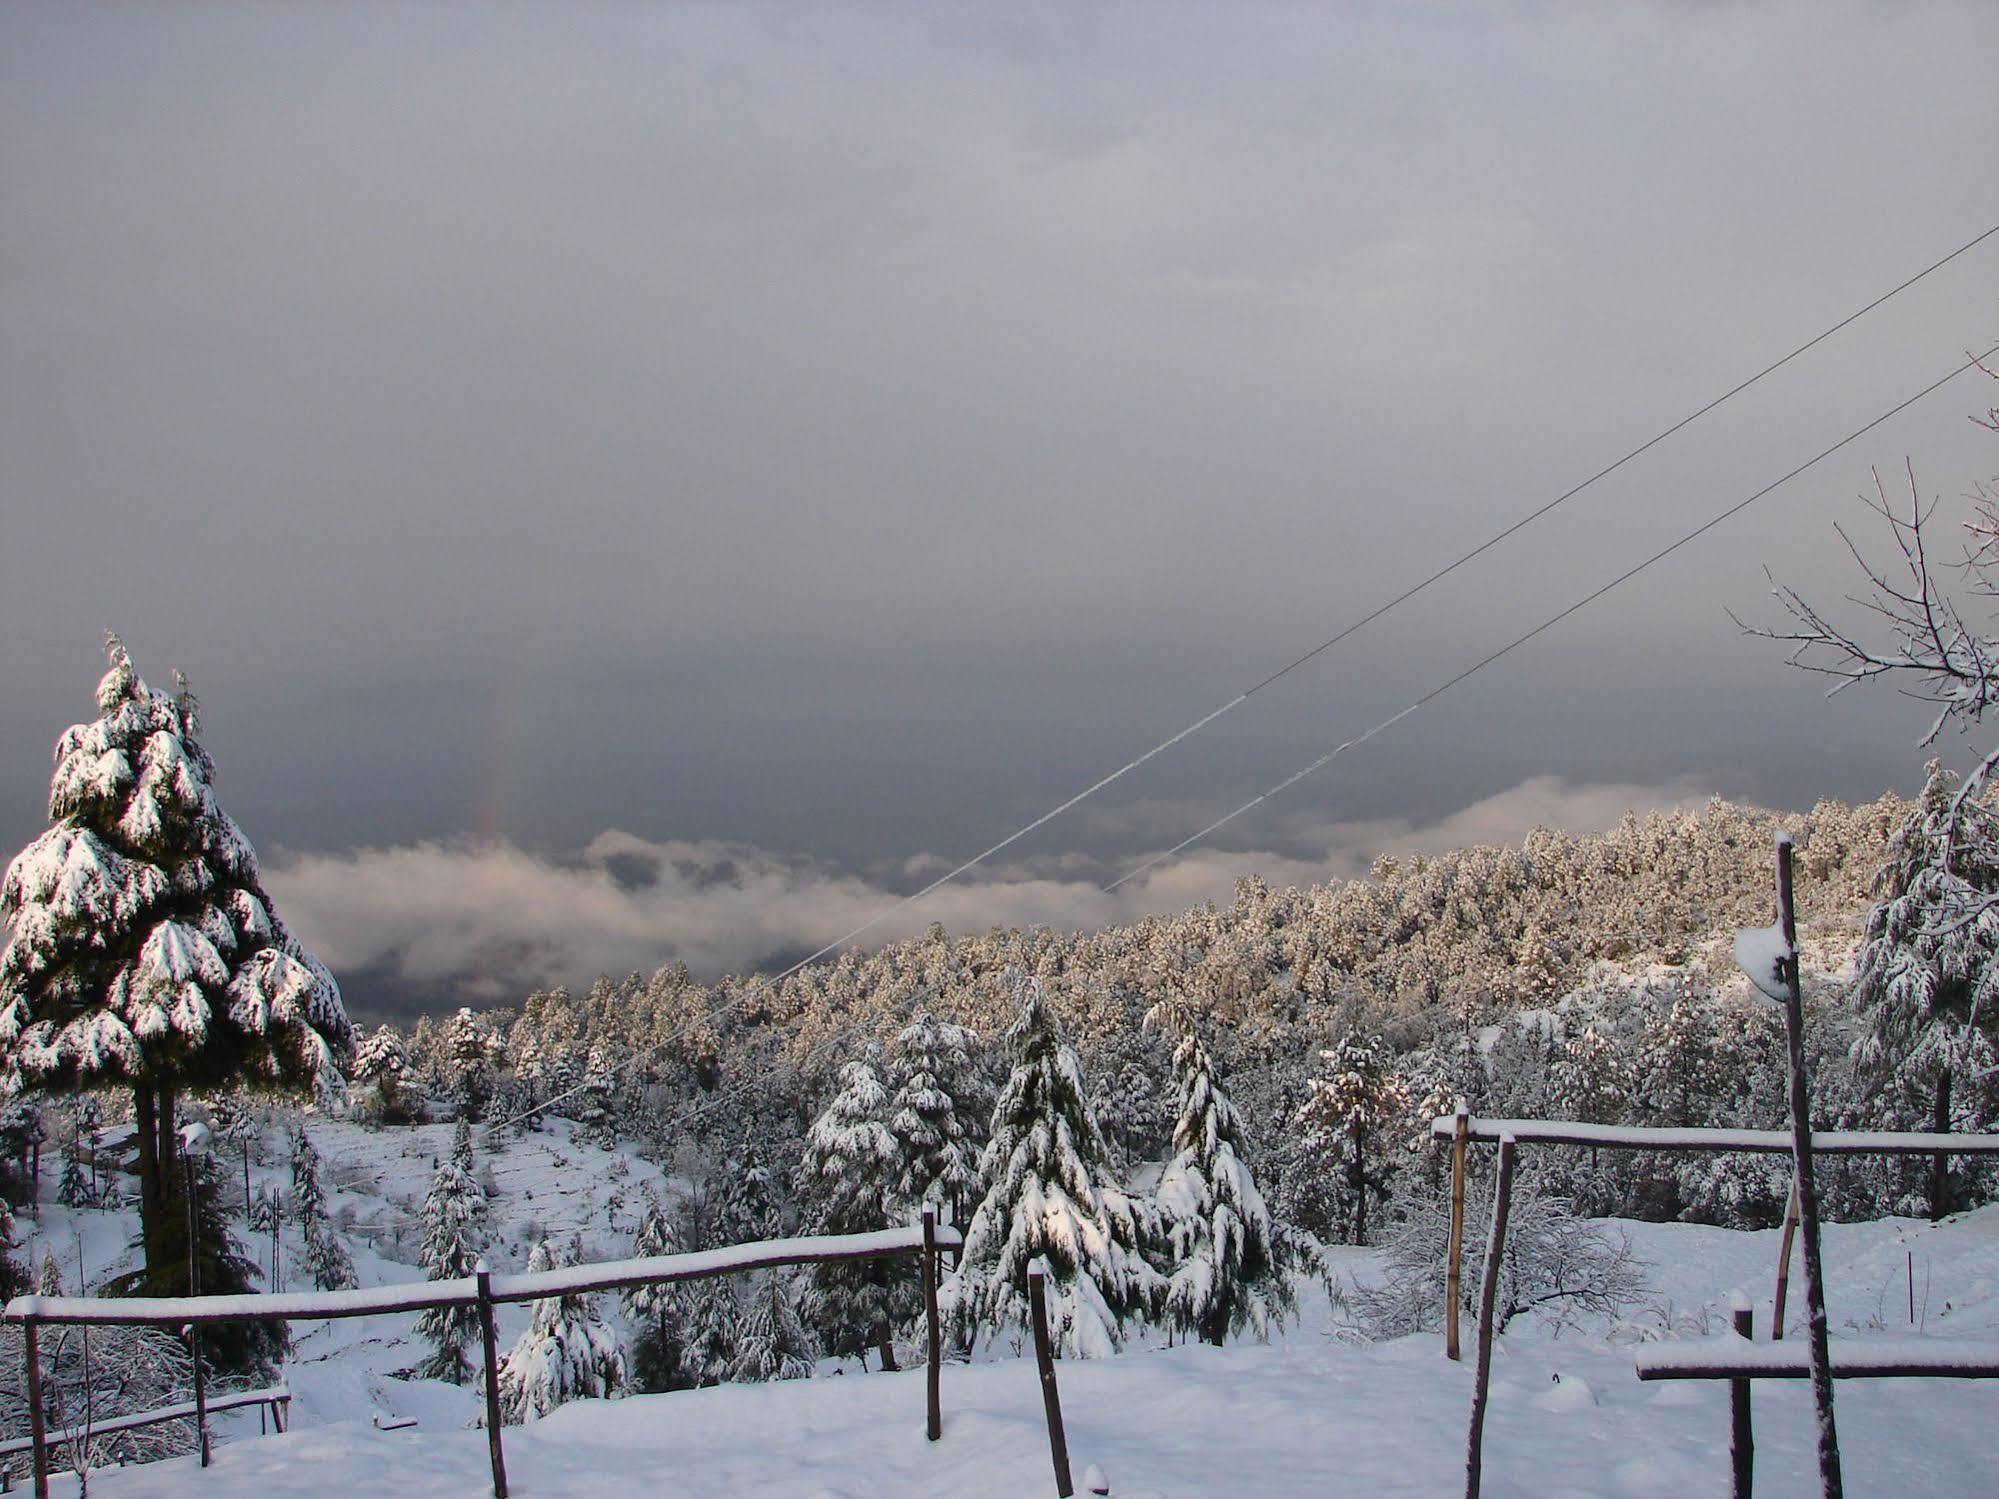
<point>1308,1414</point>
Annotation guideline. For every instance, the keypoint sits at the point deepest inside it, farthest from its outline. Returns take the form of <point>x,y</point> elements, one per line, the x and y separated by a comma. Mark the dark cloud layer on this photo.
<point>846,432</point>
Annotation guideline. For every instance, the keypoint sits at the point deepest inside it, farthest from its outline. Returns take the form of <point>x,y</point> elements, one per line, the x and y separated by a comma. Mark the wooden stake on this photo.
<point>1831,1484</point>
<point>200,1390</point>
<point>933,1332</point>
<point>1784,1264</point>
<point>1741,1437</point>
<point>1051,1398</point>
<point>491,1341</point>
<point>38,1432</point>
<point>1454,1260</point>
<point>1488,1296</point>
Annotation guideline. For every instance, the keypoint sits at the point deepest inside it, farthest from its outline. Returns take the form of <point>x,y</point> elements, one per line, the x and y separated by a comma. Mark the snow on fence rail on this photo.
<point>1766,1141</point>
<point>572,1280</point>
<point>1874,1358</point>
<point>927,1240</point>
<point>277,1397</point>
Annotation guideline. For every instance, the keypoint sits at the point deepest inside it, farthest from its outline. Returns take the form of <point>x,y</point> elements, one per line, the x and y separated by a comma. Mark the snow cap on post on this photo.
<point>1763,953</point>
<point>1738,1301</point>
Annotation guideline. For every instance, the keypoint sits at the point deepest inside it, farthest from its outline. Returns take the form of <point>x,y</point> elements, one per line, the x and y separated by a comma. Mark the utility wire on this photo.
<point>1325,645</point>
<point>1547,624</point>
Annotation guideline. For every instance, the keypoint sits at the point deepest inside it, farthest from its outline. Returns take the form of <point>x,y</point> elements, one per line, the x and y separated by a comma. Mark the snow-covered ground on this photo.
<point>1308,1414</point>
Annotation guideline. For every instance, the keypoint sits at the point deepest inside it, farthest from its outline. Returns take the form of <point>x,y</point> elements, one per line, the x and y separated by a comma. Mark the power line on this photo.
<point>1242,697</point>
<point>1547,624</point>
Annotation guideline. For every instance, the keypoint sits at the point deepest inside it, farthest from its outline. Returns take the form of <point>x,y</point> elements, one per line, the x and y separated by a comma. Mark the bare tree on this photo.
<point>1917,635</point>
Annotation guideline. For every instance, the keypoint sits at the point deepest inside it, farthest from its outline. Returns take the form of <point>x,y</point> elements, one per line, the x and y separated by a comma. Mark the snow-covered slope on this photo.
<point>1308,1414</point>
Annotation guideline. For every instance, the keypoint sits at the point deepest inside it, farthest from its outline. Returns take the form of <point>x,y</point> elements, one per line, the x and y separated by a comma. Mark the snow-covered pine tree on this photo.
<point>659,1313</point>
<point>851,1165</point>
<point>939,1158</point>
<point>1347,1111</point>
<point>771,1344</point>
<point>1044,1200</point>
<point>567,1353</point>
<point>468,1046</point>
<point>452,1211</point>
<point>1228,1264</point>
<point>144,951</point>
<point>382,1066</point>
<point>1925,978</point>
<point>326,1258</point>
<point>745,1202</point>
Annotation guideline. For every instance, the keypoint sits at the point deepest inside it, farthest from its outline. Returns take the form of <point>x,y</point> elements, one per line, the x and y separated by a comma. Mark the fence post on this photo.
<point>934,1336</point>
<point>38,1432</point>
<point>490,1339</point>
<point>1784,1264</point>
<point>193,1334</point>
<point>1818,1355</point>
<point>1454,1262</point>
<point>1741,1438</point>
<point>1051,1398</point>
<point>1488,1294</point>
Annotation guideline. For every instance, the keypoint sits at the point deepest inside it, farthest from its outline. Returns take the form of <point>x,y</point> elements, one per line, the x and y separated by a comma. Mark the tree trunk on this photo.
<point>1940,1162</point>
<point>160,1231</point>
<point>1357,1179</point>
<point>152,1212</point>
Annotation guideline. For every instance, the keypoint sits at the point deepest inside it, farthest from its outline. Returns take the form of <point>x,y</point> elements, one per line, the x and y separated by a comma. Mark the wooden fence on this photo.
<point>928,1241</point>
<point>1739,1360</point>
<point>1462,1130</point>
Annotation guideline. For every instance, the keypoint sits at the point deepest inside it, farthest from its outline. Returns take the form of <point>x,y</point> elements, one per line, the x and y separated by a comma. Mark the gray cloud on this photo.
<point>851,430</point>
<point>491,921</point>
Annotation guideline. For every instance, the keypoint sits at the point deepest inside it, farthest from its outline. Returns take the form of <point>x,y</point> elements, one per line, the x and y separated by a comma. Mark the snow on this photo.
<point>1301,1416</point>
<point>1764,955</point>
<point>1307,1413</point>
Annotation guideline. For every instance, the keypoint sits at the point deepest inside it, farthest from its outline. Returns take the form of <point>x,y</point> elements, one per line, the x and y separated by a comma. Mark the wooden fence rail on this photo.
<point>1739,1361</point>
<point>927,1240</point>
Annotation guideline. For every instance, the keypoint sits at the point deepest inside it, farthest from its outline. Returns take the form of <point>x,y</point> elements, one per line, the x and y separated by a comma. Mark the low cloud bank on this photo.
<point>465,921</point>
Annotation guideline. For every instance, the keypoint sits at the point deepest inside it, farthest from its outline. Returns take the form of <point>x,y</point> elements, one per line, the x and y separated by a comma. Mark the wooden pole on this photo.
<point>1051,1398</point>
<point>200,1390</point>
<point>1784,1264</point>
<point>1488,1296</point>
<point>38,1432</point>
<point>933,1331</point>
<point>1831,1484</point>
<point>490,1339</point>
<point>1454,1261</point>
<point>1741,1437</point>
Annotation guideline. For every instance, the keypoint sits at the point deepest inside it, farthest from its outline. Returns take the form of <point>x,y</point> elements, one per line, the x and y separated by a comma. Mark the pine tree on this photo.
<point>382,1065</point>
<point>144,951</point>
<point>1044,1200</point>
<point>1228,1264</point>
<point>771,1343</point>
<point>450,1251</point>
<point>1925,978</point>
<point>851,1165</point>
<point>939,1159</point>
<point>567,1353</point>
<point>1349,1109</point>
<point>326,1258</point>
<point>660,1311</point>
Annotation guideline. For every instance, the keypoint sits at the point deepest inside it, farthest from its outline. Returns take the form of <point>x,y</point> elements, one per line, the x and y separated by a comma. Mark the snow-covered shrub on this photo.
<point>1553,1264</point>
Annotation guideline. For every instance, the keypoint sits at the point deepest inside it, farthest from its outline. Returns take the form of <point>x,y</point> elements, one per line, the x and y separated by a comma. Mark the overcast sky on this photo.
<point>644,481</point>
